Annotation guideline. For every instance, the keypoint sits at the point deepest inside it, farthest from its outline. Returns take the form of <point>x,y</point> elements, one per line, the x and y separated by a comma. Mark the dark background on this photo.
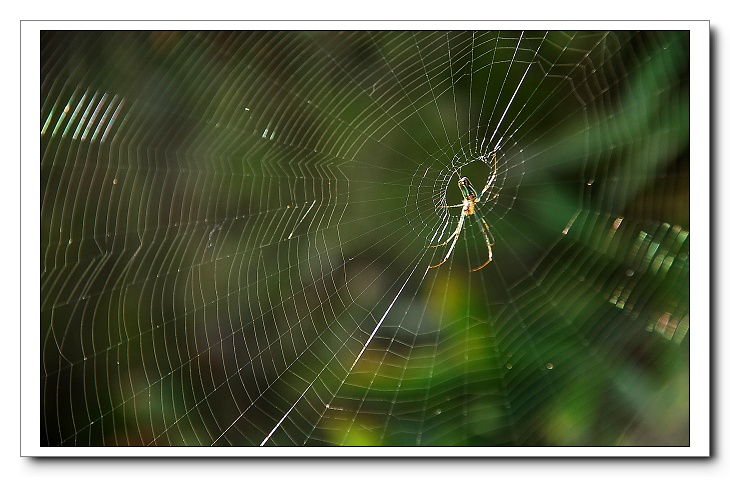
<point>226,217</point>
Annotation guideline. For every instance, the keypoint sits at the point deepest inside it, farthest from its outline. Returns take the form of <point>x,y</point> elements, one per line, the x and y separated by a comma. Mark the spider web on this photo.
<point>235,231</point>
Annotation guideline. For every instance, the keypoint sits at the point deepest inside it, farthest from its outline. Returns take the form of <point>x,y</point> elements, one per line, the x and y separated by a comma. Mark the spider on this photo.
<point>468,208</point>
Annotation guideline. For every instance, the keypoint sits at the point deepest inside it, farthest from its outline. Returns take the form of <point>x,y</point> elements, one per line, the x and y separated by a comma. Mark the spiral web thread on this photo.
<point>234,232</point>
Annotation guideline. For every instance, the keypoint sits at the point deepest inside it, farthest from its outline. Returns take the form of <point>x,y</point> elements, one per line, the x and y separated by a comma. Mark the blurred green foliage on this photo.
<point>248,210</point>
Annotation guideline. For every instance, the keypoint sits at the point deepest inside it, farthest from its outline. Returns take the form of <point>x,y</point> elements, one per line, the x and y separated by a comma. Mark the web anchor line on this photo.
<point>377,326</point>
<point>301,220</point>
<point>365,346</point>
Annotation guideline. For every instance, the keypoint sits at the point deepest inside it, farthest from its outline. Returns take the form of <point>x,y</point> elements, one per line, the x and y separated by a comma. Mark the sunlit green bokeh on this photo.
<point>228,219</point>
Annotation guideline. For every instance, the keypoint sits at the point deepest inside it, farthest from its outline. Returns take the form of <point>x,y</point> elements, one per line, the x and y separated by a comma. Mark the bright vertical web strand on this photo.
<point>186,302</point>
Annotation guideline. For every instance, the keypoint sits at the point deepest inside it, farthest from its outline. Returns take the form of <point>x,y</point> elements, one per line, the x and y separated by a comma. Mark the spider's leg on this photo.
<point>492,177</point>
<point>455,236</point>
<point>452,234</point>
<point>486,188</point>
<point>455,233</point>
<point>487,236</point>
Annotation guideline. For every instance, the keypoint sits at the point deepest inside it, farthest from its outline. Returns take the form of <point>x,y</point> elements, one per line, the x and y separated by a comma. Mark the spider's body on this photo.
<point>470,196</point>
<point>469,208</point>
